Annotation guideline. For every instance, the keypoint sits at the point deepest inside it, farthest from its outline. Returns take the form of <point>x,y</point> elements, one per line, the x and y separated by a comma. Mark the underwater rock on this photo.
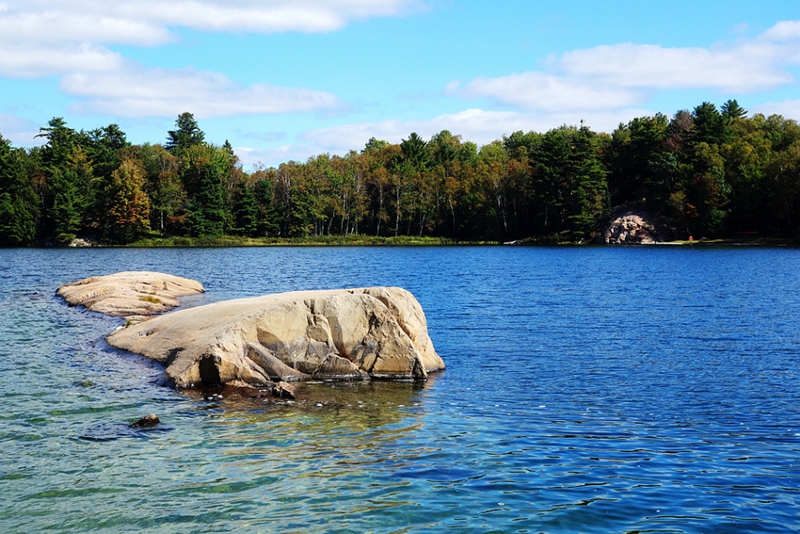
<point>146,421</point>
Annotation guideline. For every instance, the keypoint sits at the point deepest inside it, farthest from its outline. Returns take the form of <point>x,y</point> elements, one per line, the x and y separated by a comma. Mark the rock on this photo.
<point>146,421</point>
<point>634,227</point>
<point>377,332</point>
<point>81,243</point>
<point>284,390</point>
<point>134,295</point>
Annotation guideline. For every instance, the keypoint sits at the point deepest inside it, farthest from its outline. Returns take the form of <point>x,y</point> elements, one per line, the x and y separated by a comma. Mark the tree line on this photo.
<point>706,172</point>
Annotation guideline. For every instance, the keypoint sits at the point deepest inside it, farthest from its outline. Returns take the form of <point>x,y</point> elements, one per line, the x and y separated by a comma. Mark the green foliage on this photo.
<point>782,177</point>
<point>163,186</point>
<point>66,209</point>
<point>128,216</point>
<point>267,223</point>
<point>204,179</point>
<point>731,110</point>
<point>570,185</point>
<point>186,135</point>
<point>374,145</point>
<point>245,212</point>
<point>707,172</point>
<point>415,152</point>
<point>60,142</point>
<point>708,125</point>
<point>19,203</point>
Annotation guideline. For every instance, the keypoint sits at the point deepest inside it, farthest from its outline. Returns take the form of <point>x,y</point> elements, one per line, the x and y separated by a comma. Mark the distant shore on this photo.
<point>404,241</point>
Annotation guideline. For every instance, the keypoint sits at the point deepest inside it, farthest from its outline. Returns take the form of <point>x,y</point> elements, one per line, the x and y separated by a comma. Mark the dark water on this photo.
<point>587,390</point>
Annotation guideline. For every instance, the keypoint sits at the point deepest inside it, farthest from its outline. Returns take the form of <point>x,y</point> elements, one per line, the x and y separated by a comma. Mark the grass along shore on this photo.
<point>332,240</point>
<point>405,241</point>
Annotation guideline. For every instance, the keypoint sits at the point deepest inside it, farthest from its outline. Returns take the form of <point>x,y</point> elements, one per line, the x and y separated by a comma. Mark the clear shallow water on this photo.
<point>587,389</point>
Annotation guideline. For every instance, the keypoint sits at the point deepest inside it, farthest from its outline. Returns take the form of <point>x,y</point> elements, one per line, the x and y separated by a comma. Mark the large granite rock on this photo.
<point>134,295</point>
<point>635,227</point>
<point>378,332</point>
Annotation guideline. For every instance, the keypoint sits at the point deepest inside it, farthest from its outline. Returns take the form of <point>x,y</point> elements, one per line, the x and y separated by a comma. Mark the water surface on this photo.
<point>587,389</point>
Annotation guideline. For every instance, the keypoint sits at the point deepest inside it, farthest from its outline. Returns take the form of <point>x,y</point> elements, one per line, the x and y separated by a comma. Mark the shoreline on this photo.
<point>406,241</point>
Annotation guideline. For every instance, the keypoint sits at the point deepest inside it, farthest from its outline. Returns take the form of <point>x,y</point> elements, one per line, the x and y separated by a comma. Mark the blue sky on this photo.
<point>288,79</point>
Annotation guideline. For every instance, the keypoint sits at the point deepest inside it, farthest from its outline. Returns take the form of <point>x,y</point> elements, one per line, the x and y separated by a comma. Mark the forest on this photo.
<point>710,172</point>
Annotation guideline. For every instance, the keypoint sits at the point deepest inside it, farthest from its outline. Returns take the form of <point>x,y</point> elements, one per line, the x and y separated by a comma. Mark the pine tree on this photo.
<point>19,204</point>
<point>186,135</point>
<point>245,211</point>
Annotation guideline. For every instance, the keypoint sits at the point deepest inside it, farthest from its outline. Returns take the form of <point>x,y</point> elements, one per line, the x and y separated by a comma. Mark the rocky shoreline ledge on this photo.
<point>264,343</point>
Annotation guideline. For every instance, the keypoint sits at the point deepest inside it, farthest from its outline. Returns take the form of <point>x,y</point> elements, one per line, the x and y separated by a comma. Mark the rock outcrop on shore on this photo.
<point>133,295</point>
<point>378,332</point>
<point>635,227</point>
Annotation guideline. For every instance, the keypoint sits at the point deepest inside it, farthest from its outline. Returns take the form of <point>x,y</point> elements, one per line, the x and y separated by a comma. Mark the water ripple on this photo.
<point>587,390</point>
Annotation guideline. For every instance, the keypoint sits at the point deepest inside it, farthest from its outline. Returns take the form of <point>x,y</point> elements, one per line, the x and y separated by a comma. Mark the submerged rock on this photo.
<point>146,421</point>
<point>284,390</point>
<point>377,332</point>
<point>133,295</point>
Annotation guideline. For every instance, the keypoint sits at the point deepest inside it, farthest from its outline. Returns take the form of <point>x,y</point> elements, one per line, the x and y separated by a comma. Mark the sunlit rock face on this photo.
<point>133,295</point>
<point>378,332</point>
<point>635,227</point>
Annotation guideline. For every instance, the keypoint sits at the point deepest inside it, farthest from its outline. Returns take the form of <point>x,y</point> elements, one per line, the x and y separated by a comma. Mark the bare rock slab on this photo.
<point>134,295</point>
<point>377,332</point>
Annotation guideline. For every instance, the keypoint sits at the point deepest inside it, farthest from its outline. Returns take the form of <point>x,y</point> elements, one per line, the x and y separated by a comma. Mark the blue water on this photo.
<point>587,390</point>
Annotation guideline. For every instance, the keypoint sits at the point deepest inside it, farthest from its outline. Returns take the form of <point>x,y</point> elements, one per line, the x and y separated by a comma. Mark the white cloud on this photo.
<point>51,37</point>
<point>787,108</point>
<point>264,137</point>
<point>136,92</point>
<point>30,62</point>
<point>621,75</point>
<point>309,16</point>
<point>274,156</point>
<point>148,22</point>
<point>62,23</point>
<point>21,132</point>
<point>45,37</point>
<point>746,68</point>
<point>476,125</point>
<point>539,91</point>
<point>786,30</point>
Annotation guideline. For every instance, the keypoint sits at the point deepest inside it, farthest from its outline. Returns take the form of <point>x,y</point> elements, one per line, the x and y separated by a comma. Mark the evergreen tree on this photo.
<point>268,223</point>
<point>708,125</point>
<point>204,178</point>
<point>245,211</point>
<point>60,142</point>
<point>66,209</point>
<point>19,204</point>
<point>731,110</point>
<point>416,152</point>
<point>186,135</point>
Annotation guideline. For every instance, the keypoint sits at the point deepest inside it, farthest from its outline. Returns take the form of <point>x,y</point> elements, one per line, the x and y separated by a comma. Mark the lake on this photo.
<point>588,389</point>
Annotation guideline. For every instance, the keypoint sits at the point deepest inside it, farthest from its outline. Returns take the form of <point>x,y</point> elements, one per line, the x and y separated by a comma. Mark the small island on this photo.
<point>264,342</point>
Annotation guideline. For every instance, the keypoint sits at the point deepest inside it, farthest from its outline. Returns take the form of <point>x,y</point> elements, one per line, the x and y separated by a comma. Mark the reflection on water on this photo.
<point>587,390</point>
